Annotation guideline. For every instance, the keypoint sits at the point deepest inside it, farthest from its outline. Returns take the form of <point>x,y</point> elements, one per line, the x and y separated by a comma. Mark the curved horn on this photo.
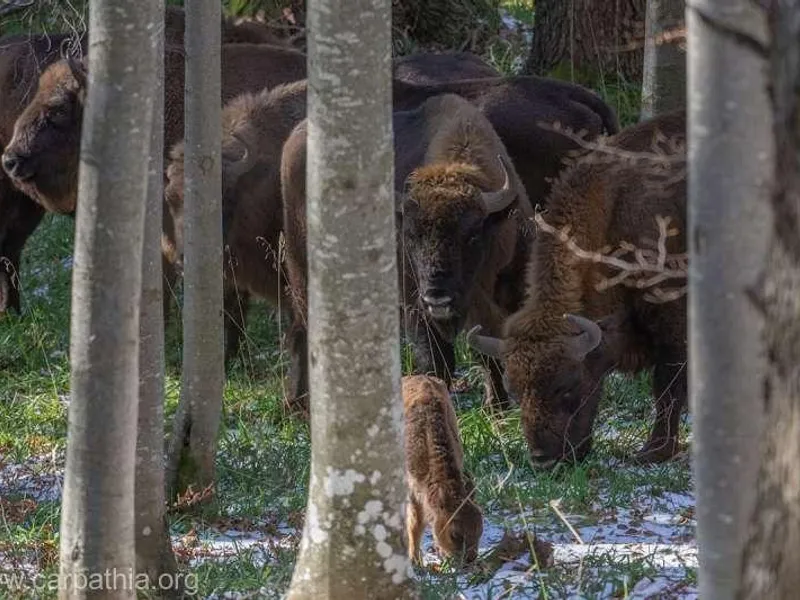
<point>235,168</point>
<point>587,340</point>
<point>77,68</point>
<point>484,344</point>
<point>500,199</point>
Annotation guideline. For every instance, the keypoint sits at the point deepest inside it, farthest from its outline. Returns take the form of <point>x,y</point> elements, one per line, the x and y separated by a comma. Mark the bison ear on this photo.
<point>78,69</point>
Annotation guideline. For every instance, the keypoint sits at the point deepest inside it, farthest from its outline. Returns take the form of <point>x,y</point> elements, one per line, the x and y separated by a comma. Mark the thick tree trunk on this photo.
<point>664,76</point>
<point>153,547</point>
<point>194,435</point>
<point>584,38</point>
<point>772,553</point>
<point>353,543</point>
<point>731,158</point>
<point>97,523</point>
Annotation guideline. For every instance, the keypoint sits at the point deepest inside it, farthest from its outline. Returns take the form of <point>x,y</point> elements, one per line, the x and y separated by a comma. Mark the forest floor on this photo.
<point>617,530</point>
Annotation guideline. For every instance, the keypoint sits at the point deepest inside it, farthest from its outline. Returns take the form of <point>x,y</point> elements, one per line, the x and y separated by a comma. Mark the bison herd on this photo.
<point>477,157</point>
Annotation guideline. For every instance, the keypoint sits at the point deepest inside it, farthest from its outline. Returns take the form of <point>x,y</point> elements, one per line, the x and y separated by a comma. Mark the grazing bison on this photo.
<point>256,126</point>
<point>440,490</point>
<point>22,60</point>
<point>567,336</point>
<point>464,234</point>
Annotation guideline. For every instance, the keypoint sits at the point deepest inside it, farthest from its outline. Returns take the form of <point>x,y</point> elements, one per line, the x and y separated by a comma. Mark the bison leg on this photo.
<point>415,525</point>
<point>20,228</point>
<point>235,306</point>
<point>170,284</point>
<point>670,391</point>
<point>495,395</point>
<point>296,392</point>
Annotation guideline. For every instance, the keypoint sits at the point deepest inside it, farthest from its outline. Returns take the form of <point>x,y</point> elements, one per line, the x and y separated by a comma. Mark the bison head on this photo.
<point>554,376</point>
<point>42,156</point>
<point>448,219</point>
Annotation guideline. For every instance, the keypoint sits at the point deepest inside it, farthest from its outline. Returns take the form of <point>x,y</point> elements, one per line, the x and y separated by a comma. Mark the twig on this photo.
<point>555,505</point>
<point>11,6</point>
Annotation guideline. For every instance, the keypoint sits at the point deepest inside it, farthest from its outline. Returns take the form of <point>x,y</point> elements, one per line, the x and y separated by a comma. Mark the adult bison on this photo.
<point>23,58</point>
<point>254,129</point>
<point>567,336</point>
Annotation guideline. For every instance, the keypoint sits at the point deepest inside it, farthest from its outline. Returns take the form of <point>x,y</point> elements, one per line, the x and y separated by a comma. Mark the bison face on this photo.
<point>42,157</point>
<point>447,224</point>
<point>457,531</point>
<point>557,386</point>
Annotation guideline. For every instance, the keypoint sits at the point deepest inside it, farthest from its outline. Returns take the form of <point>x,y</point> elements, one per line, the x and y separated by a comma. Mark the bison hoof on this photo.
<point>657,451</point>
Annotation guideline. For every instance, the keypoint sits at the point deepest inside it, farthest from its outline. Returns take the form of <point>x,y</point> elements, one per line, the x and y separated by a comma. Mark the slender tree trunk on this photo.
<point>97,523</point>
<point>194,435</point>
<point>731,158</point>
<point>772,552</point>
<point>153,546</point>
<point>664,76</point>
<point>353,543</point>
<point>578,38</point>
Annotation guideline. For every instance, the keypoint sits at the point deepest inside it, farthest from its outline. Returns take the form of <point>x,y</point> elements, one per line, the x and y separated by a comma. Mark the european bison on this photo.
<point>255,126</point>
<point>462,212</point>
<point>559,346</point>
<point>440,490</point>
<point>42,158</point>
<point>22,60</point>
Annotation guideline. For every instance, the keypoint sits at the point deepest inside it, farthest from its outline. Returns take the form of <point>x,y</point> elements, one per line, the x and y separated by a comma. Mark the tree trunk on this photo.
<point>153,546</point>
<point>194,435</point>
<point>664,76</point>
<point>353,542</point>
<point>580,39</point>
<point>97,523</point>
<point>772,553</point>
<point>731,158</point>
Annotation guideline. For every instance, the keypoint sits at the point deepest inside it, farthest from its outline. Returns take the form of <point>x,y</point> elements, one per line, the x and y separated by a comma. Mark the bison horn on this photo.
<point>587,340</point>
<point>77,69</point>
<point>234,169</point>
<point>484,344</point>
<point>500,199</point>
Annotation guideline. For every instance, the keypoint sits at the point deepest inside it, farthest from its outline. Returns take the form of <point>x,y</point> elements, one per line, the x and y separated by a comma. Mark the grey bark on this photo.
<point>731,158</point>
<point>772,553</point>
<point>353,542</point>
<point>664,73</point>
<point>97,522</point>
<point>153,546</point>
<point>194,436</point>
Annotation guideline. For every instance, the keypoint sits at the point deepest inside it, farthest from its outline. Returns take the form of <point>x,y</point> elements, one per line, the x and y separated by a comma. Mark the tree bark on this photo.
<point>664,76</point>
<point>194,436</point>
<point>97,523</point>
<point>153,546</point>
<point>353,542</point>
<point>584,38</point>
<point>731,158</point>
<point>772,553</point>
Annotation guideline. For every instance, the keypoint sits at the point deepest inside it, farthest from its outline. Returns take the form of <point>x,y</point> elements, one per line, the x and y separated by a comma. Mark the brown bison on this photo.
<point>462,212</point>
<point>440,490</point>
<point>255,127</point>
<point>22,60</point>
<point>559,346</point>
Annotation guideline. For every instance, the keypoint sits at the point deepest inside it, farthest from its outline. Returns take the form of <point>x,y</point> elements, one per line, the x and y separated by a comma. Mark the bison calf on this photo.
<point>554,365</point>
<point>440,491</point>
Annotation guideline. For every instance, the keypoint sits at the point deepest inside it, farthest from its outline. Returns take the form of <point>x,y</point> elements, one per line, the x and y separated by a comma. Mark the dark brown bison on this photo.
<point>255,126</point>
<point>463,231</point>
<point>558,348</point>
<point>440,489</point>
<point>23,58</point>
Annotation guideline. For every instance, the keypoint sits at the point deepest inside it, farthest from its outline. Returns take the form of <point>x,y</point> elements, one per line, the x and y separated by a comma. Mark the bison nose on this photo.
<point>438,303</point>
<point>17,166</point>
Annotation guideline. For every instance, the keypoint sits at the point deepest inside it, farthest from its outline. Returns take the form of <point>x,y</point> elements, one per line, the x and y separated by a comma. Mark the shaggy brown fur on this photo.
<point>252,206</point>
<point>463,264</point>
<point>432,68</point>
<point>605,200</point>
<point>440,490</point>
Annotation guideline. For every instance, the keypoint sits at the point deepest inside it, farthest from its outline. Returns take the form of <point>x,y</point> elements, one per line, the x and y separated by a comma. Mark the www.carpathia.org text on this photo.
<point>110,579</point>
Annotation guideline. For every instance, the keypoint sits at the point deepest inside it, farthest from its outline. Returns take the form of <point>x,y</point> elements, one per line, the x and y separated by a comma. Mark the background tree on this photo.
<point>731,157</point>
<point>153,546</point>
<point>194,435</point>
<point>97,523</point>
<point>353,541</point>
<point>772,552</point>
<point>664,75</point>
<point>586,38</point>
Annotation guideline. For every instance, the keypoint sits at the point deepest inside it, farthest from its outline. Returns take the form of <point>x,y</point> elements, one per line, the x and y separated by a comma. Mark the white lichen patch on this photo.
<point>373,431</point>
<point>384,550</point>
<point>375,477</point>
<point>371,512</point>
<point>399,566</point>
<point>316,532</point>
<point>341,483</point>
<point>379,532</point>
<point>393,520</point>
